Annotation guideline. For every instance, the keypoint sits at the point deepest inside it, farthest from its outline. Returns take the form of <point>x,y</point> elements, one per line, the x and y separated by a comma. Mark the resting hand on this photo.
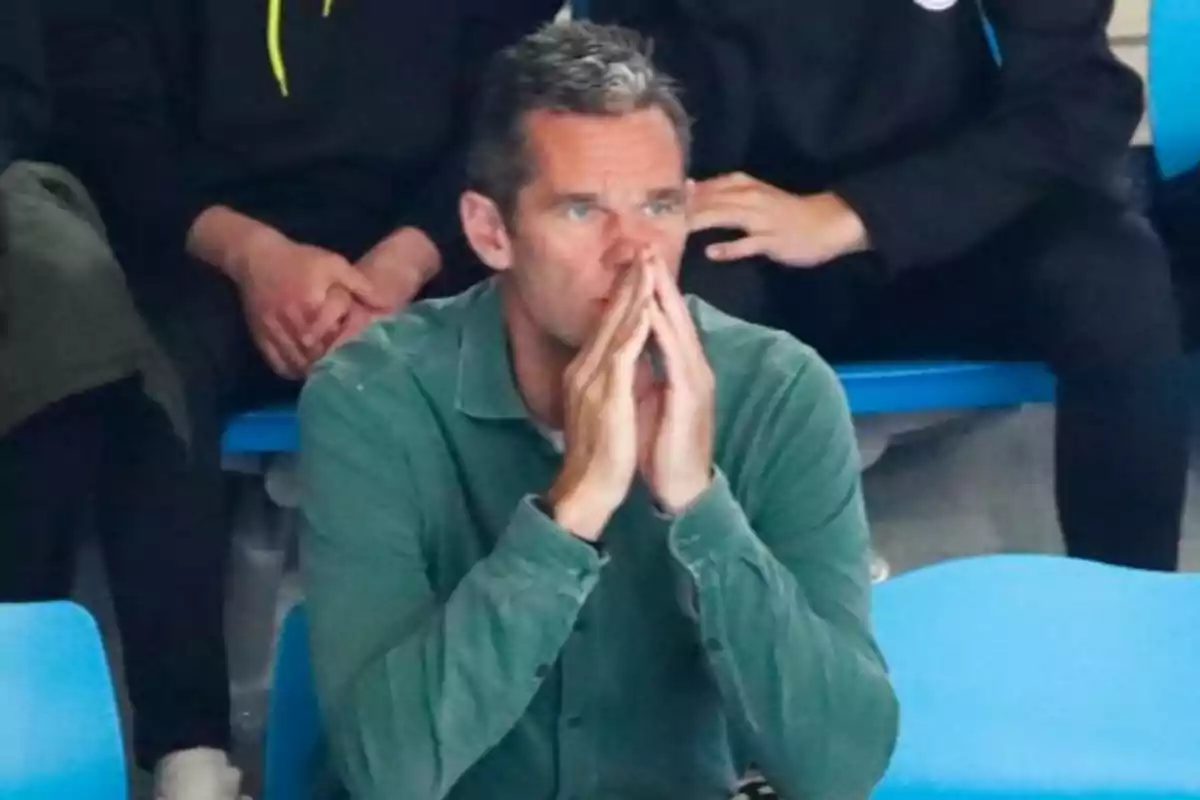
<point>789,229</point>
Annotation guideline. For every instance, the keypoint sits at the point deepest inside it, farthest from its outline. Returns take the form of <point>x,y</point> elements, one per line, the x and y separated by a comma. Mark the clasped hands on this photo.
<point>622,420</point>
<point>301,301</point>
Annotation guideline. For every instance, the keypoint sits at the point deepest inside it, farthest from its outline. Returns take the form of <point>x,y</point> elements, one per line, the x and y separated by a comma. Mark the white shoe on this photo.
<point>201,773</point>
<point>881,570</point>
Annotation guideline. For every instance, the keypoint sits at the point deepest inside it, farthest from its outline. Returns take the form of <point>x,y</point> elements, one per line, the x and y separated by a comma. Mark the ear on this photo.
<point>484,227</point>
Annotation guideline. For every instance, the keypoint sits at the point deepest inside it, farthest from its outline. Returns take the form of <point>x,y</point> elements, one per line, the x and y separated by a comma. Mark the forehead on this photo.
<point>593,152</point>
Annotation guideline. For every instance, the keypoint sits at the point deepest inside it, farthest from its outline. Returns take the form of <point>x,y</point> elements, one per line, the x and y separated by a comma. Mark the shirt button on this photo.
<point>714,646</point>
<point>543,670</point>
<point>575,722</point>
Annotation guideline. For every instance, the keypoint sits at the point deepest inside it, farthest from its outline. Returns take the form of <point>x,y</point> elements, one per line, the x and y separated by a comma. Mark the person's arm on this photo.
<point>781,593</point>
<point>1065,112</point>
<point>416,688</point>
<point>23,105</point>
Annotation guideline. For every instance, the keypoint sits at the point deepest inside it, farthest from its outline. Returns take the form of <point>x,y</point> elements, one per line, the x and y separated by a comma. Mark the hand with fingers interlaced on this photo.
<point>291,306</point>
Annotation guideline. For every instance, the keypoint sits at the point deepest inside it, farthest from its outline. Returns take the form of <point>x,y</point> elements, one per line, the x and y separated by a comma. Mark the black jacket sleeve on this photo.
<point>1066,111</point>
<point>23,101</point>
<point>113,120</point>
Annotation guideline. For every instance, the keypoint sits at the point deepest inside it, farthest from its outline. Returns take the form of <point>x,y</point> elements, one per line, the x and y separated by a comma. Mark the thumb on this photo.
<point>363,288</point>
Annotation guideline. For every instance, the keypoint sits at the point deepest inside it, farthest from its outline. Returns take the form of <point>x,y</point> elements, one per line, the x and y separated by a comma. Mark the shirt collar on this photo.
<point>487,388</point>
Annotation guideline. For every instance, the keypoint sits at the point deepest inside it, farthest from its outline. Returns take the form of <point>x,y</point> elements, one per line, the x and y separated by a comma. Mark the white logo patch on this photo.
<point>936,5</point>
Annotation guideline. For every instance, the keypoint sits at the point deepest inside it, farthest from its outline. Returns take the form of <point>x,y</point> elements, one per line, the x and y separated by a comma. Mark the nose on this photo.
<point>629,234</point>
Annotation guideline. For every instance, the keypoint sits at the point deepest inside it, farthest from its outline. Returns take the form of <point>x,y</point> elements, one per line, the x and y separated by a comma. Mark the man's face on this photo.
<point>603,189</point>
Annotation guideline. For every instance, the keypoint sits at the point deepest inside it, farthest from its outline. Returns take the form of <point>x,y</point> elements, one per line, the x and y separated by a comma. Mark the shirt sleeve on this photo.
<point>416,688</point>
<point>782,599</point>
<point>1065,111</point>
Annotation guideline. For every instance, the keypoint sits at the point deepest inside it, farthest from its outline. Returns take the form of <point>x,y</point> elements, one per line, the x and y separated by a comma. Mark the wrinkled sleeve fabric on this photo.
<point>1066,110</point>
<point>416,688</point>
<point>781,591</point>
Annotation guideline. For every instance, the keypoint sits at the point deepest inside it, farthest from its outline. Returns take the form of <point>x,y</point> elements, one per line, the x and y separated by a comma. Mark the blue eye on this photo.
<point>659,208</point>
<point>577,211</point>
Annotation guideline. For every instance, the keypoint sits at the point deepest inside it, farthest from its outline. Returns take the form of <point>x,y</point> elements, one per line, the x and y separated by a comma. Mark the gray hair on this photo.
<point>568,67</point>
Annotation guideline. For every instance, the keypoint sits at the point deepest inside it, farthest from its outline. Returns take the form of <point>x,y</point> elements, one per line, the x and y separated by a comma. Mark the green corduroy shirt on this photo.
<point>467,647</point>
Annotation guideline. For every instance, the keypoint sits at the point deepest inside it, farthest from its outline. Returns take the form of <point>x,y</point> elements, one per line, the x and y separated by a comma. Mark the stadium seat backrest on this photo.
<point>293,719</point>
<point>60,732</point>
<point>1041,676</point>
<point>1174,84</point>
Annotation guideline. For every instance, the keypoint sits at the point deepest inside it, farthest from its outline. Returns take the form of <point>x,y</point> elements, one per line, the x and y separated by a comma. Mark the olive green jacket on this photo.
<point>67,321</point>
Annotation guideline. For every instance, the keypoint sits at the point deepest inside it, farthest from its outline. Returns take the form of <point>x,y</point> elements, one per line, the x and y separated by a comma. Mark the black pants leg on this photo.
<point>1099,301</point>
<point>1080,282</point>
<point>48,468</point>
<point>163,515</point>
<point>1083,284</point>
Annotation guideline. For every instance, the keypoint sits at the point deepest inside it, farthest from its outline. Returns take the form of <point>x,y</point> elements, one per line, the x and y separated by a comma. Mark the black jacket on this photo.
<point>334,120</point>
<point>899,106</point>
<point>23,102</point>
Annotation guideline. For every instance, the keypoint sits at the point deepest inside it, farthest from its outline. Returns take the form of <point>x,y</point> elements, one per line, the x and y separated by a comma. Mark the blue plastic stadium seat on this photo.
<point>944,385</point>
<point>1174,84</point>
<point>1042,677</point>
<point>60,735</point>
<point>269,430</point>
<point>293,719</point>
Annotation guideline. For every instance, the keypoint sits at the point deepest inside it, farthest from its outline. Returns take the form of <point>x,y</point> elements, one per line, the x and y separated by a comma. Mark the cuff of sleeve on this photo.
<point>154,244</point>
<point>549,549</point>
<point>875,201</point>
<point>711,529</point>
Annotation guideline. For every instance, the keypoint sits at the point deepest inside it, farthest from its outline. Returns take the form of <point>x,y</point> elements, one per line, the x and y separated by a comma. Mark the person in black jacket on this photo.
<point>876,181</point>
<point>274,175</point>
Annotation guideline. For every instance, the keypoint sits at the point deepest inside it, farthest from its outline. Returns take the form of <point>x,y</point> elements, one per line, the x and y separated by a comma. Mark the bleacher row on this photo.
<point>1174,109</point>
<point>1027,676</point>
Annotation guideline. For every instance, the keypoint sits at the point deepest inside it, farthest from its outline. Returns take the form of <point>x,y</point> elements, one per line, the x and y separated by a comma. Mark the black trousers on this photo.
<point>198,320</point>
<point>114,451</point>
<point>1082,283</point>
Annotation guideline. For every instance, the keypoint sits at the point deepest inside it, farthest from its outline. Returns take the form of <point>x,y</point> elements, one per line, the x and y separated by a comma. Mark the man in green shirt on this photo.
<point>570,535</point>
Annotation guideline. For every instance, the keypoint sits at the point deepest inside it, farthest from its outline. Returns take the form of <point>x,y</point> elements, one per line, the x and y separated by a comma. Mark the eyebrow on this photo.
<point>671,193</point>
<point>570,198</point>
